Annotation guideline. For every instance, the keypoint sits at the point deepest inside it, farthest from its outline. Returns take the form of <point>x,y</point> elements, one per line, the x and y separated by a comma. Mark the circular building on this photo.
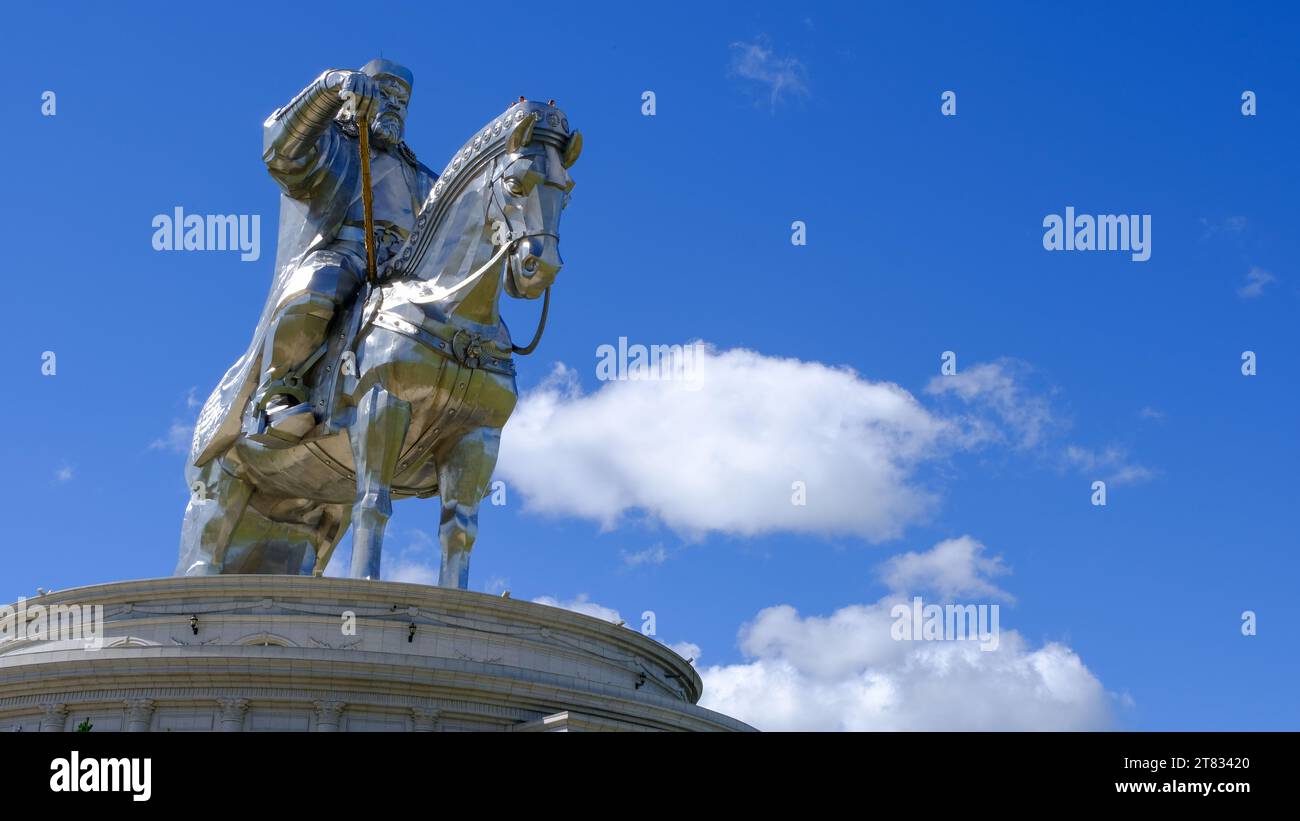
<point>296,653</point>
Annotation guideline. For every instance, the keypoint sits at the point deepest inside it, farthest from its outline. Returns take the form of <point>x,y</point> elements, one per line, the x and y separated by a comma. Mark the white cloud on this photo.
<point>180,434</point>
<point>687,650</point>
<point>1230,225</point>
<point>582,604</point>
<point>777,76</point>
<point>1130,474</point>
<point>1005,408</point>
<point>953,567</point>
<point>412,556</point>
<point>1002,409</point>
<point>177,439</point>
<point>1110,463</point>
<point>1153,414</point>
<point>654,554</point>
<point>1256,279</point>
<point>64,474</point>
<point>411,571</point>
<point>338,566</point>
<point>913,686</point>
<point>846,672</point>
<point>721,453</point>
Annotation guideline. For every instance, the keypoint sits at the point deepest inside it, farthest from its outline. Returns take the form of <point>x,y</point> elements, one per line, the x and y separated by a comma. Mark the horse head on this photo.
<point>493,217</point>
<point>530,188</point>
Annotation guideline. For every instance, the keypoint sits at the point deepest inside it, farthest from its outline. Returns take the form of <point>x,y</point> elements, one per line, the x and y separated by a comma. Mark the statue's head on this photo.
<point>395,81</point>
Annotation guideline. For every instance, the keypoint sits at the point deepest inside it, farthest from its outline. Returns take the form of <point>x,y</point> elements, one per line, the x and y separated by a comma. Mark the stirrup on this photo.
<point>282,427</point>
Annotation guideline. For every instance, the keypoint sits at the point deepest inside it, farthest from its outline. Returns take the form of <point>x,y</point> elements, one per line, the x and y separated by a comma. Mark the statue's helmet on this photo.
<point>379,67</point>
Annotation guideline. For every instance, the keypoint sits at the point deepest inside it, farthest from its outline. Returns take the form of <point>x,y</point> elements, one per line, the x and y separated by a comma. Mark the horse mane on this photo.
<point>477,154</point>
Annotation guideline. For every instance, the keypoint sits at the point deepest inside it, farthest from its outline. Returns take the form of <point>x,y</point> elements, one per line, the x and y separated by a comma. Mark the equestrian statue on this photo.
<point>380,367</point>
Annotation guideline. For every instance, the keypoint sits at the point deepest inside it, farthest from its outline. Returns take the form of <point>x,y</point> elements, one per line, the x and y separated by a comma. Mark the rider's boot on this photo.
<point>282,413</point>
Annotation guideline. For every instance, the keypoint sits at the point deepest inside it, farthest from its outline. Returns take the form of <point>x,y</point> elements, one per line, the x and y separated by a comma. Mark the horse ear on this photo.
<point>572,149</point>
<point>523,133</point>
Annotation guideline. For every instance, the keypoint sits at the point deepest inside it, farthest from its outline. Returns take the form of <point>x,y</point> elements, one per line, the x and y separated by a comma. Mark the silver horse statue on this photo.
<point>414,380</point>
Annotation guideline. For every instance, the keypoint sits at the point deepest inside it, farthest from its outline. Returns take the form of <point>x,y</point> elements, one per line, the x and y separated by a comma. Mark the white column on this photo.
<point>232,714</point>
<point>54,717</point>
<point>426,719</point>
<point>139,714</point>
<point>327,715</point>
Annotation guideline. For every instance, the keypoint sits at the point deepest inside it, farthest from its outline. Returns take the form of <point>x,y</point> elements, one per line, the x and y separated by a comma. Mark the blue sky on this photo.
<point>924,234</point>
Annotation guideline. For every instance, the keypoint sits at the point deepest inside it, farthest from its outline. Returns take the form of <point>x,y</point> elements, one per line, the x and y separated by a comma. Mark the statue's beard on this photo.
<point>387,128</point>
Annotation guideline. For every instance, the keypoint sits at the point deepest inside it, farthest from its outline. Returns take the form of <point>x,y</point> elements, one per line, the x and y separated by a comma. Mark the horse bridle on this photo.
<point>507,249</point>
<point>508,245</point>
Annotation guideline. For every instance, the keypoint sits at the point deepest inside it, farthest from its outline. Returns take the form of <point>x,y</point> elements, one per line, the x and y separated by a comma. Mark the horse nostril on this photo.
<point>530,265</point>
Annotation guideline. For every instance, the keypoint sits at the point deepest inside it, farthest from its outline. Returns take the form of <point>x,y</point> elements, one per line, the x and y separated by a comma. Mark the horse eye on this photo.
<point>515,186</point>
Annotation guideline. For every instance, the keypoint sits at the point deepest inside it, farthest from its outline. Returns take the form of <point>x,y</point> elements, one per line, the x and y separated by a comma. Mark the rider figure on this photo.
<point>312,153</point>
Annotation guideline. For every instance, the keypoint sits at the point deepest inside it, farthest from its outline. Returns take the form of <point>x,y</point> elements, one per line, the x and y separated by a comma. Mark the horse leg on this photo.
<point>274,536</point>
<point>376,439</point>
<point>463,476</point>
<point>334,524</point>
<point>217,503</point>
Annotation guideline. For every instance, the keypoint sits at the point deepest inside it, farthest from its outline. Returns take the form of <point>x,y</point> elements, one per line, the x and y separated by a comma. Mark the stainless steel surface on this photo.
<point>350,396</point>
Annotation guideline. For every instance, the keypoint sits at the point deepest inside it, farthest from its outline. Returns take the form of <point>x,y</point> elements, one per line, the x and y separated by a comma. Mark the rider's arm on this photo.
<point>294,136</point>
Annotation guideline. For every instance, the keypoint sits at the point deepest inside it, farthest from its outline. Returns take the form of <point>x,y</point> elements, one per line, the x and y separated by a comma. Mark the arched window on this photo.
<point>265,640</point>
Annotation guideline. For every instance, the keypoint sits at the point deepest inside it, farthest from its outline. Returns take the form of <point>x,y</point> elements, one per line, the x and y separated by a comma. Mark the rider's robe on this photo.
<point>316,194</point>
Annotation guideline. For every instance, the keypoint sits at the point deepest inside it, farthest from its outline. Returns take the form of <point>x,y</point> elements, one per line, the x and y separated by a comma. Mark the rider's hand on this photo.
<point>360,91</point>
